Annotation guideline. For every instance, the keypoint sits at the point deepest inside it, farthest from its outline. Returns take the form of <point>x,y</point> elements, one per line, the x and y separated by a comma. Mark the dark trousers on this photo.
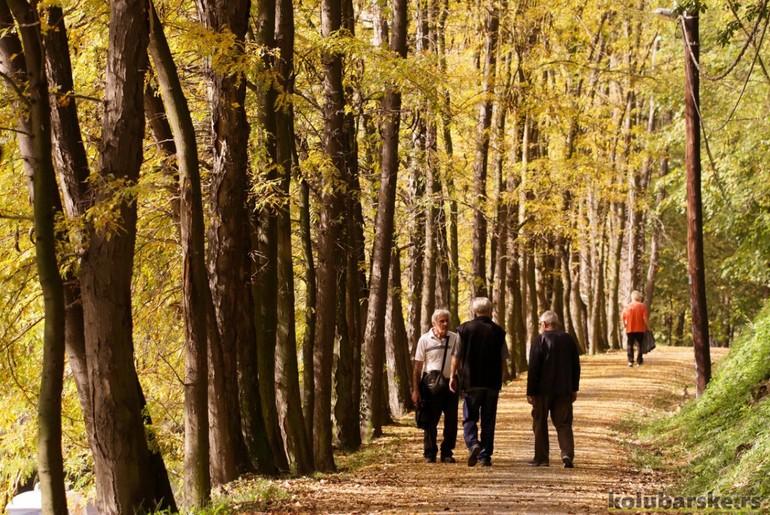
<point>480,405</point>
<point>435,405</point>
<point>560,408</point>
<point>630,339</point>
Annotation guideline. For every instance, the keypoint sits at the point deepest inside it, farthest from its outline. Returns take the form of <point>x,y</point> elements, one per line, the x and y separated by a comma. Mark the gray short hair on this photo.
<point>550,319</point>
<point>637,296</point>
<point>481,306</point>
<point>439,312</point>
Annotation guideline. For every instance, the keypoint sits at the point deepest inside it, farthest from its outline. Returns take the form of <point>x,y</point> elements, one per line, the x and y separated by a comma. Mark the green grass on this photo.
<point>721,442</point>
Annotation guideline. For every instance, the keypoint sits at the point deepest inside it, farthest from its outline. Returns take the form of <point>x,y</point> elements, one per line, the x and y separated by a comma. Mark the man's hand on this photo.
<point>416,396</point>
<point>530,399</point>
<point>453,384</point>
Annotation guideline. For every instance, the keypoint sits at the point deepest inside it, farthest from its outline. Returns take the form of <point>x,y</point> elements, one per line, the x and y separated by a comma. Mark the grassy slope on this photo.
<point>721,443</point>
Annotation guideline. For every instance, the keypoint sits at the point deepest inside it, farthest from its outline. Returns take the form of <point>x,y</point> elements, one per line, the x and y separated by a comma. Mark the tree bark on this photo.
<point>374,344</point>
<point>415,257</point>
<point>267,266</point>
<point>308,378</point>
<point>121,456</point>
<point>479,286</point>
<point>46,206</point>
<point>197,296</point>
<point>396,345</point>
<point>228,251</point>
<point>328,239</point>
<point>695,260</point>
<point>287,369</point>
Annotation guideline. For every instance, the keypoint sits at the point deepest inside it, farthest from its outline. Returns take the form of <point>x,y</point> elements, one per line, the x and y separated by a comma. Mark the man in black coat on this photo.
<point>478,364</point>
<point>552,384</point>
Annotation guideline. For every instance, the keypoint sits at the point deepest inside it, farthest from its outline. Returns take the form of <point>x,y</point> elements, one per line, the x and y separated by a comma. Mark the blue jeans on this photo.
<point>480,404</point>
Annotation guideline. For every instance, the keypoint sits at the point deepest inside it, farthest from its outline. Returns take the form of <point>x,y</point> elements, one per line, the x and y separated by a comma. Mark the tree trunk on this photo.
<point>72,166</point>
<point>228,251</point>
<point>374,344</point>
<point>416,258</point>
<point>396,345</point>
<point>287,370</point>
<point>328,239</point>
<point>348,423</point>
<point>308,378</point>
<point>197,296</point>
<point>46,206</point>
<point>121,458</point>
<point>432,187</point>
<point>267,269</point>
<point>649,289</point>
<point>614,302</point>
<point>479,268</point>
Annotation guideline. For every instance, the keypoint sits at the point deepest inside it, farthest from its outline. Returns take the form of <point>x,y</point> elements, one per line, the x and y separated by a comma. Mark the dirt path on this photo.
<point>609,392</point>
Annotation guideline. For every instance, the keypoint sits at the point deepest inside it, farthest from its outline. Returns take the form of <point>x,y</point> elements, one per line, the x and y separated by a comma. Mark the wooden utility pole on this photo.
<point>695,266</point>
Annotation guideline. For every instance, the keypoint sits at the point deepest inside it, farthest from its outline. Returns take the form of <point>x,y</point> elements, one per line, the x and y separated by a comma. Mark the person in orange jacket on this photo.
<point>636,322</point>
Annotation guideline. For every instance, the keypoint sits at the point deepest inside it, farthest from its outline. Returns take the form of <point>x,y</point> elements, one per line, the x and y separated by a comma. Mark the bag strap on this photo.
<point>446,347</point>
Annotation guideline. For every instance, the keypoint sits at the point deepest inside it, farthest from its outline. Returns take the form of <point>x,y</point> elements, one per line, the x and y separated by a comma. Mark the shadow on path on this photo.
<point>610,391</point>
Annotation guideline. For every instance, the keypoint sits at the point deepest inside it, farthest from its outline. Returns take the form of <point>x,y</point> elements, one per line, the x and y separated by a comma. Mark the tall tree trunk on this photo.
<point>577,305</point>
<point>328,239</point>
<point>287,370</point>
<point>349,315</point>
<point>374,338</point>
<point>267,270</point>
<point>348,423</point>
<point>503,215</point>
<point>46,206</point>
<point>308,378</point>
<point>197,296</point>
<point>478,273</point>
<point>416,256</point>
<point>615,257</point>
<point>72,167</point>
<point>121,458</point>
<point>649,289</point>
<point>396,345</point>
<point>432,189</point>
<point>228,251</point>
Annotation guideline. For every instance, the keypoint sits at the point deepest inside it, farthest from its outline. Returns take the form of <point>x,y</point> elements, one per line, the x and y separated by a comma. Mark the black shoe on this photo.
<point>430,459</point>
<point>567,462</point>
<point>473,457</point>
<point>485,463</point>
<point>448,459</point>
<point>538,463</point>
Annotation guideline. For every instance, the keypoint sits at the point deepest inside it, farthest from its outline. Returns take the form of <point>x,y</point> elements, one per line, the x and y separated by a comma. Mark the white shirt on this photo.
<point>430,349</point>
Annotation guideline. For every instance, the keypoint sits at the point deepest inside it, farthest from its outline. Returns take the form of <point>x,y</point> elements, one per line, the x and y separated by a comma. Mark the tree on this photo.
<point>228,250</point>
<point>47,206</point>
<point>328,237</point>
<point>481,159</point>
<point>197,296</point>
<point>374,338</point>
<point>121,458</point>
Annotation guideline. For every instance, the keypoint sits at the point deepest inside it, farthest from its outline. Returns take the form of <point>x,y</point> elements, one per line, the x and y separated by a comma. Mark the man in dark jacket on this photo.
<point>552,384</point>
<point>478,364</point>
